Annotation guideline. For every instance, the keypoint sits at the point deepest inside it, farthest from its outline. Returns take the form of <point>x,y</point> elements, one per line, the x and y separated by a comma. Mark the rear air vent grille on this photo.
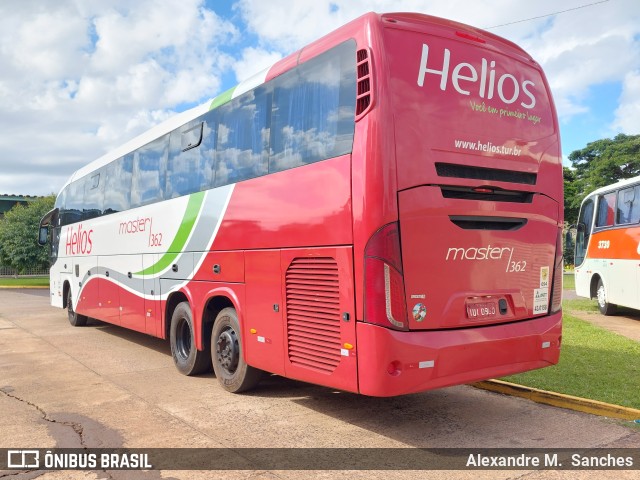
<point>313,313</point>
<point>480,173</point>
<point>365,80</point>
<point>492,195</point>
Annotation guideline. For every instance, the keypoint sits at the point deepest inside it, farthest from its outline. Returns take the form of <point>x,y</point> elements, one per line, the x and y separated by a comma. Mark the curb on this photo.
<point>561,400</point>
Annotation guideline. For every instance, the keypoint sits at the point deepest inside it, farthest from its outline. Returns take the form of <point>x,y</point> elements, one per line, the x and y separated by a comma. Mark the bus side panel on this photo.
<point>132,313</point>
<point>308,205</point>
<point>88,302</point>
<point>319,317</point>
<point>263,329</point>
<point>613,254</point>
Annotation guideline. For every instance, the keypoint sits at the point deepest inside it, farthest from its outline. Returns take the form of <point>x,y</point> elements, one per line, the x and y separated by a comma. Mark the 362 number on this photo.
<point>517,266</point>
<point>155,240</point>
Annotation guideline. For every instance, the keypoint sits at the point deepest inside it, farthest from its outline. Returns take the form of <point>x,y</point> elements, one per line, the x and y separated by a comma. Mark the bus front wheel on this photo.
<point>75,318</point>
<point>605,307</point>
<point>232,371</point>
<point>187,358</point>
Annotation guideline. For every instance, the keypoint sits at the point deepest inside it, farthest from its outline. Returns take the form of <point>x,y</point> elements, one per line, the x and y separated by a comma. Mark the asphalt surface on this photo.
<point>103,386</point>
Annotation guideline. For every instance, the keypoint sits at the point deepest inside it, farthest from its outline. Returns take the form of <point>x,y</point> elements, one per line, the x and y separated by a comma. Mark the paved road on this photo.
<point>103,386</point>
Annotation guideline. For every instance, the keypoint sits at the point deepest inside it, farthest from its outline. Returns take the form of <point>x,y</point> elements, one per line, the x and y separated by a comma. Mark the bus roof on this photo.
<point>615,186</point>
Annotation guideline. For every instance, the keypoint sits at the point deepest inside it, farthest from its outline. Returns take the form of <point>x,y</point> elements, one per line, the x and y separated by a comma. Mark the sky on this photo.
<point>80,77</point>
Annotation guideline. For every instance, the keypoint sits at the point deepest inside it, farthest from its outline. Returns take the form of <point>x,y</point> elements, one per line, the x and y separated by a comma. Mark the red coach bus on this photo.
<point>379,212</point>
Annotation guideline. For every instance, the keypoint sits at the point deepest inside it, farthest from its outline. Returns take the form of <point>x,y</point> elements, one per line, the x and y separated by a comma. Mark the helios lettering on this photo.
<point>79,241</point>
<point>465,78</point>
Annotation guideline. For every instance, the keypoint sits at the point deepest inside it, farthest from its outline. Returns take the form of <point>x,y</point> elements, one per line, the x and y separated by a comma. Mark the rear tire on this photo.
<point>75,318</point>
<point>605,307</point>
<point>232,371</point>
<point>187,358</point>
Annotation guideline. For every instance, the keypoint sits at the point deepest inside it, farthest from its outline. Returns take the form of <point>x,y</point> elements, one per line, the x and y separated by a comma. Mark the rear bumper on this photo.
<point>395,363</point>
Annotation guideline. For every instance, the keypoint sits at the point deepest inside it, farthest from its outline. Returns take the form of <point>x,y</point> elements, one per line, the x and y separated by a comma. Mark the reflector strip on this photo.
<point>387,298</point>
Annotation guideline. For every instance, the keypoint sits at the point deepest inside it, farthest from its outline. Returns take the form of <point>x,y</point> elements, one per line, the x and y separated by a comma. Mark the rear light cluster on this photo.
<point>558,272</point>
<point>384,282</point>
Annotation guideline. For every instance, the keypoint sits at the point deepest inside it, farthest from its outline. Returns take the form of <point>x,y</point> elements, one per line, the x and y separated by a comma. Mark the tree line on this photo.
<point>19,249</point>
<point>599,164</point>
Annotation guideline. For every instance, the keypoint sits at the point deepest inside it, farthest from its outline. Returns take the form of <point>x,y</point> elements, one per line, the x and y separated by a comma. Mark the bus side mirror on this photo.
<point>43,235</point>
<point>49,219</point>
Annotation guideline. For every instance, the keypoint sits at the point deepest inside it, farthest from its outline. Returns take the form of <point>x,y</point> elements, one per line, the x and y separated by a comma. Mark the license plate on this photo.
<point>482,310</point>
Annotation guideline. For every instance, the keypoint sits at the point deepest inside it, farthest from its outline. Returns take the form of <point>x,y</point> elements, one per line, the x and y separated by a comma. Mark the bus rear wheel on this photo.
<point>232,371</point>
<point>605,307</point>
<point>75,318</point>
<point>187,358</point>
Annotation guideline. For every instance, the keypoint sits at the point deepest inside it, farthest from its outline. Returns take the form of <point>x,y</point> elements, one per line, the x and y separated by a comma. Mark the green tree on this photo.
<point>19,247</point>
<point>570,193</point>
<point>600,163</point>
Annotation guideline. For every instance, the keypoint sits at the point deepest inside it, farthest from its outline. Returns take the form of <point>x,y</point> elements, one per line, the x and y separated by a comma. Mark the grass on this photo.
<point>24,282</point>
<point>581,304</point>
<point>569,281</point>
<point>594,363</point>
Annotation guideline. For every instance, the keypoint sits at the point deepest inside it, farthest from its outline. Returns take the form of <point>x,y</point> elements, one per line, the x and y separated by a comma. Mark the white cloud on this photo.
<point>254,60</point>
<point>628,113</point>
<point>81,77</point>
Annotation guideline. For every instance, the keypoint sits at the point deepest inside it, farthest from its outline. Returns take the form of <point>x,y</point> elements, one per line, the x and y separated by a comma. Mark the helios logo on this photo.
<point>79,241</point>
<point>481,80</point>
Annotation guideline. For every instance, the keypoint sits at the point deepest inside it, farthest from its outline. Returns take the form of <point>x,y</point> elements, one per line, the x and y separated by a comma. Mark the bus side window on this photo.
<point>149,171</point>
<point>242,150</point>
<point>74,204</point>
<point>93,195</point>
<point>628,210</point>
<point>606,207</point>
<point>314,110</point>
<point>117,192</point>
<point>190,164</point>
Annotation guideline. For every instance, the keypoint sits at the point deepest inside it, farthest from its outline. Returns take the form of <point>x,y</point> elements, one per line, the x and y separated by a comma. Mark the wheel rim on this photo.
<point>602,300</point>
<point>183,340</point>
<point>228,350</point>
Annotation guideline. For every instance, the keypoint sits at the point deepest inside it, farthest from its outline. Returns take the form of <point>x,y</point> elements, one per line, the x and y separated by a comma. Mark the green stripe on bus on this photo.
<point>180,240</point>
<point>221,99</point>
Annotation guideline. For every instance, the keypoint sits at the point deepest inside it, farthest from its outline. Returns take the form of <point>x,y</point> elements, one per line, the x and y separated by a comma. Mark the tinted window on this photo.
<point>117,190</point>
<point>190,169</point>
<point>242,150</point>
<point>60,205</point>
<point>628,210</point>
<point>606,206</point>
<point>584,230</point>
<point>74,203</point>
<point>93,195</point>
<point>149,167</point>
<point>313,110</point>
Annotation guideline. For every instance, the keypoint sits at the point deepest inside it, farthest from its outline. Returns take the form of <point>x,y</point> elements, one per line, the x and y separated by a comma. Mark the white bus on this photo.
<point>607,254</point>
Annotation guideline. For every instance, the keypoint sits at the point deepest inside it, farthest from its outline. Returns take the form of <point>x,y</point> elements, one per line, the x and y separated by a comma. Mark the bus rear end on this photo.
<point>466,284</point>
